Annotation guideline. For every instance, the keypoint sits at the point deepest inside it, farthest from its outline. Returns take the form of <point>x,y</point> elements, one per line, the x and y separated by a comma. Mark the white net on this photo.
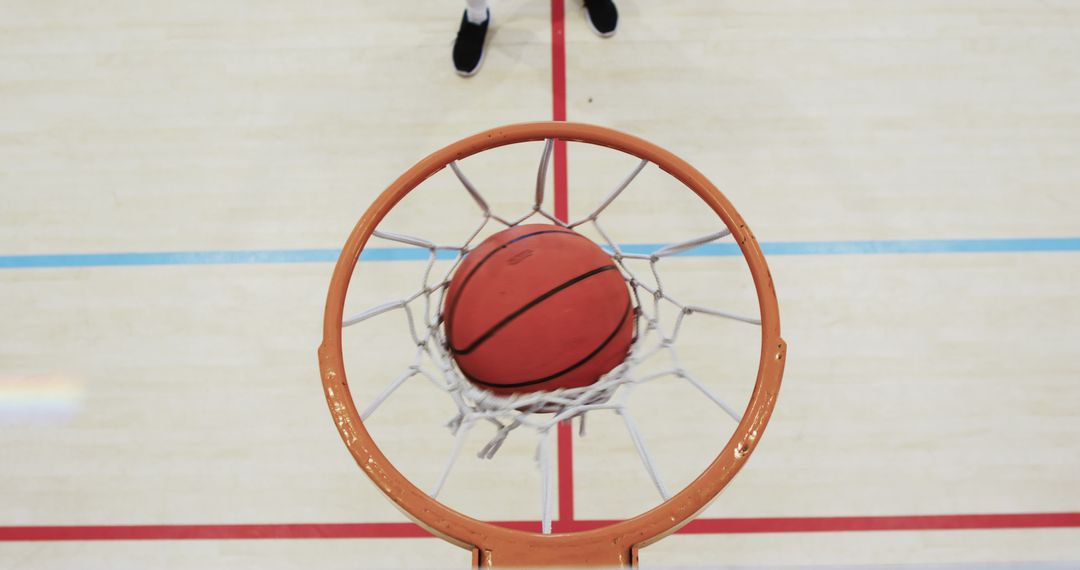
<point>660,320</point>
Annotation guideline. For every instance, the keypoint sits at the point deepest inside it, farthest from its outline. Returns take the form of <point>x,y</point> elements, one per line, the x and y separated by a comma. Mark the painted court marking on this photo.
<point>410,530</point>
<point>776,248</point>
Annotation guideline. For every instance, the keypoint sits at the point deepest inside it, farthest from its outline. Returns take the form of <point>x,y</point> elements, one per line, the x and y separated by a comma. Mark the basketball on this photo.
<point>537,307</point>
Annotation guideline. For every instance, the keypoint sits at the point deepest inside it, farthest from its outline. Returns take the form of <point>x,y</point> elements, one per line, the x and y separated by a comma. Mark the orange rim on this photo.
<point>615,544</point>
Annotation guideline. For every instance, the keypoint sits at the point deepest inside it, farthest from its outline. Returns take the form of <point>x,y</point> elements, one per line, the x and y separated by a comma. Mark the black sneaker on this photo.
<point>602,16</point>
<point>469,46</point>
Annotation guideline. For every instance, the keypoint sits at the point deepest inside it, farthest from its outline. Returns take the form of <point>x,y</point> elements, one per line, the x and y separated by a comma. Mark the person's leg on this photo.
<point>602,16</point>
<point>476,11</point>
<point>469,45</point>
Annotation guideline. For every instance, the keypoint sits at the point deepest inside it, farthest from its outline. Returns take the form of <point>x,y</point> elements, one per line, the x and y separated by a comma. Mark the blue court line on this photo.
<point>241,257</point>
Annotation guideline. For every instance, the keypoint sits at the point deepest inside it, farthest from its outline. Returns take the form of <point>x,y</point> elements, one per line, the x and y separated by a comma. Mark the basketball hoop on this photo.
<point>613,545</point>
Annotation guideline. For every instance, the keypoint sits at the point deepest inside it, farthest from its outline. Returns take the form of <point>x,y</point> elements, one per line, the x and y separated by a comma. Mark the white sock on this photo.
<point>476,11</point>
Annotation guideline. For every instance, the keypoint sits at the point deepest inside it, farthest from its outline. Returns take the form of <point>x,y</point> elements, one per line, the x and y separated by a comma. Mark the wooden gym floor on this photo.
<point>175,179</point>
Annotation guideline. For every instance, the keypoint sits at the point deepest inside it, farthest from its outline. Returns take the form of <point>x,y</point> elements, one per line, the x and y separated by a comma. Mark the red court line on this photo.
<point>410,530</point>
<point>562,210</point>
<point>211,532</point>
<point>884,523</point>
<point>566,471</point>
<point>558,103</point>
<point>558,113</point>
<point>558,61</point>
